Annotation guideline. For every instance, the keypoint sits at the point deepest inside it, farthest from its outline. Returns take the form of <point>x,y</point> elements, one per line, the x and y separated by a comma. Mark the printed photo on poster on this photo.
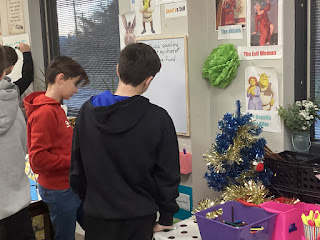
<point>148,18</point>
<point>262,99</point>
<point>264,22</point>
<point>127,25</point>
<point>230,12</point>
<point>15,16</point>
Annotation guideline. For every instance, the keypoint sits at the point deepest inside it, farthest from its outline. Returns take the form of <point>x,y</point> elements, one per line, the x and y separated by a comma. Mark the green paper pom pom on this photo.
<point>220,68</point>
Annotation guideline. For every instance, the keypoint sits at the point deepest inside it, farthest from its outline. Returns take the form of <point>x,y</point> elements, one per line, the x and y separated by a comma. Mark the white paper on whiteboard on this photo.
<point>13,41</point>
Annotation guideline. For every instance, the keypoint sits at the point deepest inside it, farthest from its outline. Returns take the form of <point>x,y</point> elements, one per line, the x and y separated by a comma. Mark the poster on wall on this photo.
<point>15,16</point>
<point>264,26</point>
<point>173,10</point>
<point>127,26</point>
<point>262,99</point>
<point>230,12</point>
<point>148,18</point>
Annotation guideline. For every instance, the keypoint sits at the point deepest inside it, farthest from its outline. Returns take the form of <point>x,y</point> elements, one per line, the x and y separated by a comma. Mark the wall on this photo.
<point>209,104</point>
<point>170,27</point>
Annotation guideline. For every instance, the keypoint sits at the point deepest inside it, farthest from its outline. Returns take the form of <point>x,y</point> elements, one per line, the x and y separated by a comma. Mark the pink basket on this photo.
<point>288,221</point>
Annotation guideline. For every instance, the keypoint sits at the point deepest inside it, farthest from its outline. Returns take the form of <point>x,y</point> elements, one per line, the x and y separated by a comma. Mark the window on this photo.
<point>315,57</point>
<point>87,31</point>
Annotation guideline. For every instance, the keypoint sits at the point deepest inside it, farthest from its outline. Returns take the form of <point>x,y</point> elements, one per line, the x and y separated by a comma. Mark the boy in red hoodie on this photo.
<point>49,144</point>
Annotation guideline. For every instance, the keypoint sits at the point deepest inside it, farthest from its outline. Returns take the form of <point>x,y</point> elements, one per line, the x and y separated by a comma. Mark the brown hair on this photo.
<point>11,55</point>
<point>137,62</point>
<point>68,67</point>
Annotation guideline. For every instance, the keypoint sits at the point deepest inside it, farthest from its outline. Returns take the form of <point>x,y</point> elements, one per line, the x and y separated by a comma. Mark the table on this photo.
<point>184,230</point>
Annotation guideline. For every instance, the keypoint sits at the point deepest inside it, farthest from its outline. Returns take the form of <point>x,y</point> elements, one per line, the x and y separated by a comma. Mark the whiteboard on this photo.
<point>13,41</point>
<point>170,89</point>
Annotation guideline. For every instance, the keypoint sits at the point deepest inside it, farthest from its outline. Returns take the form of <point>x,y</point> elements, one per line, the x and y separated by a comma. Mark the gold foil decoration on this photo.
<point>243,138</point>
<point>205,204</point>
<point>249,191</point>
<point>214,214</point>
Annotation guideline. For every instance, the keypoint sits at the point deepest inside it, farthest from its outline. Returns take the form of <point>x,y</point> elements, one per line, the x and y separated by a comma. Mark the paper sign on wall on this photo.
<point>230,32</point>
<point>173,10</point>
<point>15,16</point>
<point>263,52</point>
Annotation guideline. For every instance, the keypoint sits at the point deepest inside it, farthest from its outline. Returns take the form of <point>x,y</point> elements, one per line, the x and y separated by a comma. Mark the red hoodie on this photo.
<point>49,141</point>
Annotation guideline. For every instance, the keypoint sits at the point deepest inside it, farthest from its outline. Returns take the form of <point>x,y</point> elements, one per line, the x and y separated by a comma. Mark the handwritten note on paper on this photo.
<point>15,16</point>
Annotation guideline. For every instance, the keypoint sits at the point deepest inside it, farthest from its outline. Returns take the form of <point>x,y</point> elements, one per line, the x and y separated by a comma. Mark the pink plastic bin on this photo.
<point>185,163</point>
<point>288,221</point>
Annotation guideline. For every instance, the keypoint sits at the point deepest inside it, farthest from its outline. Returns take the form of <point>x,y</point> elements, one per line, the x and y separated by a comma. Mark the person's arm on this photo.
<point>78,180</point>
<point>167,173</point>
<point>27,69</point>
<point>43,135</point>
<point>267,8</point>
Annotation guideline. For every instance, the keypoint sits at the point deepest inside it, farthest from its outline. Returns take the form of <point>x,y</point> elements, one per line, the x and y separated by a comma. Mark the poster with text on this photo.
<point>148,18</point>
<point>174,10</point>
<point>15,16</point>
<point>262,99</point>
<point>264,22</point>
<point>230,12</point>
<point>127,26</point>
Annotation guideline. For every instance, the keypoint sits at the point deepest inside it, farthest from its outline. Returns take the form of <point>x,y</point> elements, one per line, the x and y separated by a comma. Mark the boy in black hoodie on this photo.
<point>125,159</point>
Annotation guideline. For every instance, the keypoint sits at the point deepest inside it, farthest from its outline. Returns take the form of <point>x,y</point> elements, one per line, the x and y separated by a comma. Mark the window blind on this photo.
<point>88,32</point>
<point>315,57</point>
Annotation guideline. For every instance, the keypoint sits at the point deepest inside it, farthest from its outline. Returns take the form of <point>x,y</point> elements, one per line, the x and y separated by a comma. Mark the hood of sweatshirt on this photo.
<point>36,100</point>
<point>9,105</point>
<point>119,117</point>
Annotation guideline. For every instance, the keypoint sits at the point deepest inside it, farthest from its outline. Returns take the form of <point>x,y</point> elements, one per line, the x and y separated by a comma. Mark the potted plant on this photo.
<point>298,118</point>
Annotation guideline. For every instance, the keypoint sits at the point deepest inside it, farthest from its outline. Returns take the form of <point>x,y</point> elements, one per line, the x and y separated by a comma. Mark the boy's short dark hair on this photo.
<point>69,67</point>
<point>137,62</point>
<point>11,55</point>
<point>3,60</point>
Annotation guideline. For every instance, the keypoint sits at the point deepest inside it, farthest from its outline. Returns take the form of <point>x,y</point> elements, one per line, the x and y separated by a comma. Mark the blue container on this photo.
<point>255,217</point>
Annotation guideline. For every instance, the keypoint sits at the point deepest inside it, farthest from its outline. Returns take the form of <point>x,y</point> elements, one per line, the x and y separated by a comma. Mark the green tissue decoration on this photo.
<point>220,68</point>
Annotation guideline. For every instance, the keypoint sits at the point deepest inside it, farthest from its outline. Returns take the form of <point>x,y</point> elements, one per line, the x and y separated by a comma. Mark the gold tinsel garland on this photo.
<point>206,203</point>
<point>243,138</point>
<point>250,192</point>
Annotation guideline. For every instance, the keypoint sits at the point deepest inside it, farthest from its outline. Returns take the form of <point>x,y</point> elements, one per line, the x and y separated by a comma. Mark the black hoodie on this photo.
<point>125,160</point>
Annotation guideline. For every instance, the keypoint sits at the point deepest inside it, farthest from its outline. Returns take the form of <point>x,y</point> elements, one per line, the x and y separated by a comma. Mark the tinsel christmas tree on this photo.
<point>235,161</point>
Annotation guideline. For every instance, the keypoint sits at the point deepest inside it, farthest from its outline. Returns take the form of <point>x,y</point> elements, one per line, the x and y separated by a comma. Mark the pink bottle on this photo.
<point>185,162</point>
